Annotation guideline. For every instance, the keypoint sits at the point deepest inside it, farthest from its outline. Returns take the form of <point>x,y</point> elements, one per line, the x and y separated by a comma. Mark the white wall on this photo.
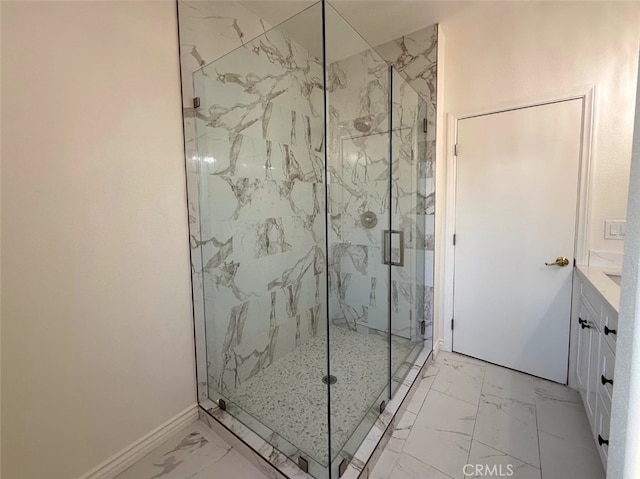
<point>624,454</point>
<point>97,341</point>
<point>500,53</point>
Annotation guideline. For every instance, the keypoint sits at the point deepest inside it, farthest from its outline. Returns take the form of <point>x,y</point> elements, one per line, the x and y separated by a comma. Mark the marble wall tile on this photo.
<point>210,30</point>
<point>414,56</point>
<point>257,187</point>
<point>359,164</point>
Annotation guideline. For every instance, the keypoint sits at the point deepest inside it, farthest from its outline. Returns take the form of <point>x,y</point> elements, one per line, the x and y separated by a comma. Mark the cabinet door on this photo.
<point>606,367</point>
<point>602,428</point>
<point>610,326</point>
<point>582,355</point>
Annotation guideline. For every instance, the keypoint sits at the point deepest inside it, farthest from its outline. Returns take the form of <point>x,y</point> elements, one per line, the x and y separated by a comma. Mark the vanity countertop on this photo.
<point>597,276</point>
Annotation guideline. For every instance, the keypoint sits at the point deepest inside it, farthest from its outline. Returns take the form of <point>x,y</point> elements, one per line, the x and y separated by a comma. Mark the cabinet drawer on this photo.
<point>605,368</point>
<point>610,326</point>
<point>602,428</point>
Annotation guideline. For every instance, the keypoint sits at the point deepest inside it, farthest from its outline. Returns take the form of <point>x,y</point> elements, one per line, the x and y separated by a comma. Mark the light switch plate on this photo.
<point>614,229</point>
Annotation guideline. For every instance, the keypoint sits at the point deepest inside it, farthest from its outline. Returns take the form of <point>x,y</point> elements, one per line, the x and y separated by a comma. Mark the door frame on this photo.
<point>588,95</point>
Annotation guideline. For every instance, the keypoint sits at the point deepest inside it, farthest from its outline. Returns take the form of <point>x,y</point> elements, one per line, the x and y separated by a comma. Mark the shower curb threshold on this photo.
<point>371,448</point>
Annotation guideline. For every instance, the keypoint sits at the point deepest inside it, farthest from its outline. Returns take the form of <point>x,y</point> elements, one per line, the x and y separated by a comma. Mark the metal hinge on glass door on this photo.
<point>387,250</point>
<point>424,125</point>
<point>196,102</point>
<point>303,464</point>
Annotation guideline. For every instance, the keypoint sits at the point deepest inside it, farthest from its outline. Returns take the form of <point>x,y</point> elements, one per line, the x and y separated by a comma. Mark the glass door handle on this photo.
<point>386,242</point>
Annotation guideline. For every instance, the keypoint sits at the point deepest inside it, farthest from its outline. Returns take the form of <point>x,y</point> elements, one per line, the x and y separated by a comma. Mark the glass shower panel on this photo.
<point>408,152</point>
<point>260,138</point>
<point>358,152</point>
<point>312,186</point>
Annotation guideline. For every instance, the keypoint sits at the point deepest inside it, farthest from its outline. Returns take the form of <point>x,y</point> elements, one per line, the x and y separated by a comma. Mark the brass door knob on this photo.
<point>560,261</point>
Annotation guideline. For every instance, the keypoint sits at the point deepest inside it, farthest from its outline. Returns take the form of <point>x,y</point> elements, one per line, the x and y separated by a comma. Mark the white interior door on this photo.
<point>516,197</point>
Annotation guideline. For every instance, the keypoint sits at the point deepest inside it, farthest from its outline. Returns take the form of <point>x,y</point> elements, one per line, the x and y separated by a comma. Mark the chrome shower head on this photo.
<point>362,124</point>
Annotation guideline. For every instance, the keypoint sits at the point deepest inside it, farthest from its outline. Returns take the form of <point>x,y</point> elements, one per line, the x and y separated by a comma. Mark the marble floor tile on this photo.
<point>385,464</point>
<point>565,419</point>
<point>431,371</point>
<point>496,464</point>
<point>508,426</point>
<point>423,389</point>
<point>408,467</point>
<point>189,453</point>
<point>550,390</point>
<point>458,357</point>
<point>515,414</point>
<point>441,435</point>
<point>401,431</point>
<point>560,459</point>
<point>459,379</point>
<point>508,384</point>
<point>405,424</point>
<point>231,466</point>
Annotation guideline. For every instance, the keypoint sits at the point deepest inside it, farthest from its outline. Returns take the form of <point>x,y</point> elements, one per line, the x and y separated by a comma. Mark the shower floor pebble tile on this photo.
<point>290,398</point>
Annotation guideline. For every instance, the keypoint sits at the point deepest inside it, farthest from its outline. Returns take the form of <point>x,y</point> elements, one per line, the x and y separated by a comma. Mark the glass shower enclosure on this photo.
<point>307,230</point>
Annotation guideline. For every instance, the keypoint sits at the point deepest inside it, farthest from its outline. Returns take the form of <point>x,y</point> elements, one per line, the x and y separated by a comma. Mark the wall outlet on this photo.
<point>614,229</point>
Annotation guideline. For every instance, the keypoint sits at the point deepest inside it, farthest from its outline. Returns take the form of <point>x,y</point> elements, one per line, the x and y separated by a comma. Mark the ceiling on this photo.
<point>378,21</point>
<point>276,11</point>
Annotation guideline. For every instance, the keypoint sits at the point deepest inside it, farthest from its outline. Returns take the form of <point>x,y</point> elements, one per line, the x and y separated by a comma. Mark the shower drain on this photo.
<point>331,379</point>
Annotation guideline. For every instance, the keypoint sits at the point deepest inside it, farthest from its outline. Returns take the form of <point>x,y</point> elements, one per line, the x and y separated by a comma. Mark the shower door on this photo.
<point>375,143</point>
<point>358,162</point>
<point>407,227</point>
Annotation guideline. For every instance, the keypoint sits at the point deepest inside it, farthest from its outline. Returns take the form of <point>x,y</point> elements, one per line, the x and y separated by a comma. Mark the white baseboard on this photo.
<point>437,346</point>
<point>140,448</point>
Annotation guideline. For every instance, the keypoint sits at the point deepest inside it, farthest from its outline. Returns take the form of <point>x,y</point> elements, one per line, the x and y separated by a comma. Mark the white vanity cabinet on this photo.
<point>587,358</point>
<point>596,322</point>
